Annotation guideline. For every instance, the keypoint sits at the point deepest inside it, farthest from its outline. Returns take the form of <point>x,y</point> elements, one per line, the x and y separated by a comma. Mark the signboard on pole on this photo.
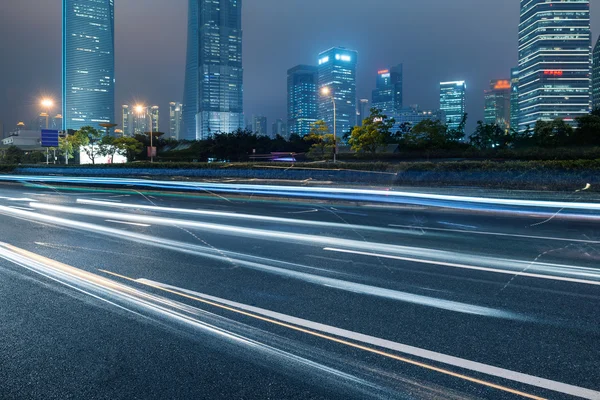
<point>49,138</point>
<point>151,151</point>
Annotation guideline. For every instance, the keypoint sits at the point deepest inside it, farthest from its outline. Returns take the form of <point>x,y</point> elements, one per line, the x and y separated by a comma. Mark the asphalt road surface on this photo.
<point>120,293</point>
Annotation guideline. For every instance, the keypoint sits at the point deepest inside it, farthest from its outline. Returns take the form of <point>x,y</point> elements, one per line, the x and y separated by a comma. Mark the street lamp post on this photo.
<point>144,110</point>
<point>327,92</point>
<point>47,105</point>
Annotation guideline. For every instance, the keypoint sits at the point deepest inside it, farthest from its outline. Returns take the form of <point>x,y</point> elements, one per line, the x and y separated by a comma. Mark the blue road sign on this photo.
<point>49,138</point>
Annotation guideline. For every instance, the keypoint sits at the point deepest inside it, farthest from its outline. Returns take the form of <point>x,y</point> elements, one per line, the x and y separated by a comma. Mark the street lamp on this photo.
<point>143,110</point>
<point>47,104</point>
<point>325,91</point>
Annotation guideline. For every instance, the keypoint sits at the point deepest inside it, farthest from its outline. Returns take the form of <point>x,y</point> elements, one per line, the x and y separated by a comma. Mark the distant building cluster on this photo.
<point>557,76</point>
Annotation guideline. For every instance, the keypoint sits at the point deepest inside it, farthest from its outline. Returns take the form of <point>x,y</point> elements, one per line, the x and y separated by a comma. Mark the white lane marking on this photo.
<point>463,266</point>
<point>314,210</point>
<point>16,199</point>
<point>110,201</point>
<point>127,223</point>
<point>497,234</point>
<point>120,195</point>
<point>399,347</point>
<point>23,208</point>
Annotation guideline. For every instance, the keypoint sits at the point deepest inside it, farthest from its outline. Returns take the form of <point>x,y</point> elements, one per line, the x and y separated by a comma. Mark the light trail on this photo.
<point>114,293</point>
<point>232,215</point>
<point>317,192</point>
<point>242,260</point>
<point>569,271</point>
<point>463,266</point>
<point>127,223</point>
<point>496,234</point>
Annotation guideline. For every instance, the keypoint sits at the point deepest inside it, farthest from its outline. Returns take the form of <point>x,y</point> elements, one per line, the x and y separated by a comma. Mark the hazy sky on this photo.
<point>436,40</point>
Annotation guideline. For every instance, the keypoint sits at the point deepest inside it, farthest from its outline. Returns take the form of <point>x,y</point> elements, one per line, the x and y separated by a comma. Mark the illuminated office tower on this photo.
<point>213,92</point>
<point>302,104</point>
<point>279,129</point>
<point>175,120</point>
<point>387,95</point>
<point>514,98</point>
<point>127,120</point>
<point>497,103</point>
<point>452,102</point>
<point>596,76</point>
<point>554,60</point>
<point>88,70</point>
<point>337,73</point>
<point>259,126</point>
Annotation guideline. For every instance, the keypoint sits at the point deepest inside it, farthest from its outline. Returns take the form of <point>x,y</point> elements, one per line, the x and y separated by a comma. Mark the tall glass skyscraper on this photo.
<point>514,98</point>
<point>88,74</point>
<point>213,94</point>
<point>554,60</point>
<point>452,102</point>
<point>497,103</point>
<point>337,72</point>
<point>596,76</point>
<point>387,95</point>
<point>302,103</point>
<point>174,120</point>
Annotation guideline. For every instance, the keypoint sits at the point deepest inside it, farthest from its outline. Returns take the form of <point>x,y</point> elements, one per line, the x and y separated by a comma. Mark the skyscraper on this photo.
<point>337,72</point>
<point>362,112</point>
<point>279,128</point>
<point>554,60</point>
<point>213,93</point>
<point>174,120</point>
<point>497,103</point>
<point>387,95</point>
<point>154,114</point>
<point>302,102</point>
<point>127,120</point>
<point>514,98</point>
<point>596,76</point>
<point>259,125</point>
<point>452,102</point>
<point>88,76</point>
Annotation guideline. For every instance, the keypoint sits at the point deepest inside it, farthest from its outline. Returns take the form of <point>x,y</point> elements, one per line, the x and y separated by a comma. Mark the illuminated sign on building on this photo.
<point>501,85</point>
<point>324,60</point>
<point>343,57</point>
<point>553,72</point>
<point>383,71</point>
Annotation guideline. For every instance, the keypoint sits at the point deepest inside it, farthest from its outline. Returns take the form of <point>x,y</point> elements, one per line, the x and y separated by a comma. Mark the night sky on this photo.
<point>436,40</point>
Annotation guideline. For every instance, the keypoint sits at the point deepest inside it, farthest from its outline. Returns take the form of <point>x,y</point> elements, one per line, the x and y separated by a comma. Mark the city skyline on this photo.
<point>265,75</point>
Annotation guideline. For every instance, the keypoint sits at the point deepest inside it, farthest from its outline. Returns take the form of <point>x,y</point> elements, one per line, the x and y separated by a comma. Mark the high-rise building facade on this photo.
<point>554,60</point>
<point>413,115</point>
<point>154,117</point>
<point>213,93</point>
<point>175,120</point>
<point>259,125</point>
<point>514,98</point>
<point>127,120</point>
<point>387,95</point>
<point>337,73</point>
<point>596,76</point>
<point>362,112</point>
<point>302,105</point>
<point>452,102</point>
<point>497,104</point>
<point>88,75</point>
<point>279,129</point>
